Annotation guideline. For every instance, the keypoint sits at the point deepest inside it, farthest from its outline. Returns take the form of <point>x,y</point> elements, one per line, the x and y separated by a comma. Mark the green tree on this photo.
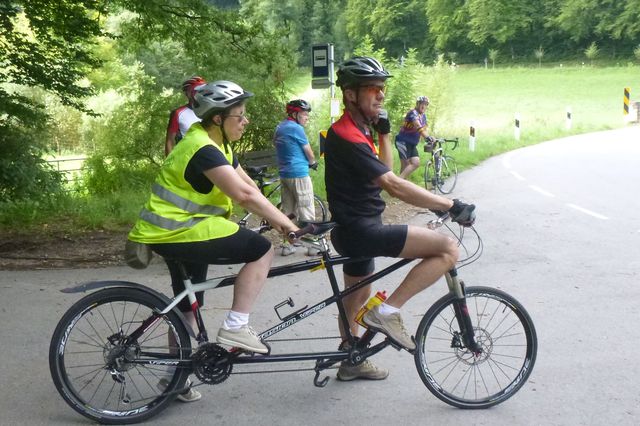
<point>401,93</point>
<point>447,24</point>
<point>393,25</point>
<point>502,22</point>
<point>592,51</point>
<point>493,55</point>
<point>44,44</point>
<point>539,54</point>
<point>226,47</point>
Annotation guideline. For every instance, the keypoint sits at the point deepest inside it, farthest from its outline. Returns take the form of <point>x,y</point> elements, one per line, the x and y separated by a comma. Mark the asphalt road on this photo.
<point>559,223</point>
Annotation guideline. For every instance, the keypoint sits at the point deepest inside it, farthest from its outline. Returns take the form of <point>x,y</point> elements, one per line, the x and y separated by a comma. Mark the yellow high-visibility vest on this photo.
<point>176,213</point>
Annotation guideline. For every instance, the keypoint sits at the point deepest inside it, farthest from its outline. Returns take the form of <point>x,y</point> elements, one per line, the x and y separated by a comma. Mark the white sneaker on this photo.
<point>190,395</point>
<point>287,250</point>
<point>243,338</point>
<point>313,251</point>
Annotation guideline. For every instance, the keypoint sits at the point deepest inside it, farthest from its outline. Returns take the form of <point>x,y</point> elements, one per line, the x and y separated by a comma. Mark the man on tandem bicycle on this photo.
<point>355,175</point>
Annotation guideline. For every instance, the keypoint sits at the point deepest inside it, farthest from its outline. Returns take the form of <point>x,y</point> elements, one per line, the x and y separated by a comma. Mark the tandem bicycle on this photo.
<point>475,346</point>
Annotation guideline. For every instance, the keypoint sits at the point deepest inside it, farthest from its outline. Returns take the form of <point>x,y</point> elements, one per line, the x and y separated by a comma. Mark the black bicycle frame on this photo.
<point>323,359</point>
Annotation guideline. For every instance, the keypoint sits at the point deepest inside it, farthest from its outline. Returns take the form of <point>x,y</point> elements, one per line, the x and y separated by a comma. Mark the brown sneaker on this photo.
<point>391,325</point>
<point>366,370</point>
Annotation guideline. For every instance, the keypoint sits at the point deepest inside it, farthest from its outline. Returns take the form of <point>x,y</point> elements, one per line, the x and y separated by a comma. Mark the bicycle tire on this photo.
<point>429,176</point>
<point>508,339</point>
<point>448,178</point>
<point>98,377</point>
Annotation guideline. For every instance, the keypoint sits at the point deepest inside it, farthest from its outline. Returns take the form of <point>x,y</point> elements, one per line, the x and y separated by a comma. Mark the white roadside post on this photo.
<point>516,129</point>
<point>472,137</point>
<point>568,123</point>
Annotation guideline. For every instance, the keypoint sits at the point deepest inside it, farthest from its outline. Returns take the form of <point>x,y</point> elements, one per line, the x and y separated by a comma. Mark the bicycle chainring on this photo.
<point>212,364</point>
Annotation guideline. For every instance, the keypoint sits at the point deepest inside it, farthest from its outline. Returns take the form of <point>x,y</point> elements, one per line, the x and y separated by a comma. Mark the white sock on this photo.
<point>385,309</point>
<point>235,320</point>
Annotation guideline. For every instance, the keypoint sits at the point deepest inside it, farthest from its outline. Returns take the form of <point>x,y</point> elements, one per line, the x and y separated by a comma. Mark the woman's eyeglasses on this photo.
<point>240,117</point>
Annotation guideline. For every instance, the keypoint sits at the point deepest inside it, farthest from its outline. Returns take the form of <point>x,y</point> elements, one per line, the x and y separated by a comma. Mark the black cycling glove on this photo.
<point>463,213</point>
<point>460,212</point>
<point>314,165</point>
<point>383,126</point>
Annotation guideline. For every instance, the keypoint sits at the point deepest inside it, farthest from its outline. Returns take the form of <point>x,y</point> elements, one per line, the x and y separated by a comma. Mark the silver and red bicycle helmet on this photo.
<point>214,98</point>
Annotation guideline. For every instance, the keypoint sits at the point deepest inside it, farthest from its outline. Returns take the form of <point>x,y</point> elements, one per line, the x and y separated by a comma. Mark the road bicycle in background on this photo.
<point>111,360</point>
<point>441,171</point>
<point>270,186</point>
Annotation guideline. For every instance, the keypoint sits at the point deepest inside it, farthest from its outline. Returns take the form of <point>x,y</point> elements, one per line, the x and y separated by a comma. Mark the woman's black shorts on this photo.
<point>242,247</point>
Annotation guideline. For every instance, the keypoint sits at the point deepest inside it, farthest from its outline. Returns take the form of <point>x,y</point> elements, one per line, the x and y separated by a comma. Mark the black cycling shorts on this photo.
<point>242,247</point>
<point>406,150</point>
<point>368,238</point>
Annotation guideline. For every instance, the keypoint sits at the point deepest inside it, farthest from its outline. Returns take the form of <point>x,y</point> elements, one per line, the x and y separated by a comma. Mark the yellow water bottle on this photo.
<point>376,300</point>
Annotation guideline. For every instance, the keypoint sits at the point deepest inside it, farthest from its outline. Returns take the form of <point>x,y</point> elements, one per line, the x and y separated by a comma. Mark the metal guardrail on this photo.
<point>71,167</point>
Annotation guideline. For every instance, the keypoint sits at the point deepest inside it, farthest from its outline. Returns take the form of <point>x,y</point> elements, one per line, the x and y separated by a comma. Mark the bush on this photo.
<point>23,171</point>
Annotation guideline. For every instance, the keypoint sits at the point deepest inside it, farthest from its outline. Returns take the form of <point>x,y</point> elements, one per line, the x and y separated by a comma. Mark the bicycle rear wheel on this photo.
<point>107,380</point>
<point>448,175</point>
<point>454,374</point>
<point>430,176</point>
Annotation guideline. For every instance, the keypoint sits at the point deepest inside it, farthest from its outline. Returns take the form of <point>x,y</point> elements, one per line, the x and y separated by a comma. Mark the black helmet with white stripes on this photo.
<point>358,70</point>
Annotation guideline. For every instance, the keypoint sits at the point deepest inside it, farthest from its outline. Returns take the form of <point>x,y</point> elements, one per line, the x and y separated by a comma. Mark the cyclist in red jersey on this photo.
<point>355,175</point>
<point>181,118</point>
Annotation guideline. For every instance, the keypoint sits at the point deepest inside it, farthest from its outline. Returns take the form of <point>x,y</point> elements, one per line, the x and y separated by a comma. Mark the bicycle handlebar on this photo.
<point>454,141</point>
<point>438,222</point>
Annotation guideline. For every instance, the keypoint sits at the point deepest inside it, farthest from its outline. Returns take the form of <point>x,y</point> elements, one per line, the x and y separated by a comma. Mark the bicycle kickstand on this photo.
<point>316,380</point>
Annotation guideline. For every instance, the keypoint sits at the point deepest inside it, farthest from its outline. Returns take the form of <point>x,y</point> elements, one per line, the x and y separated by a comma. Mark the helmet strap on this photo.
<point>356,105</point>
<point>225,140</point>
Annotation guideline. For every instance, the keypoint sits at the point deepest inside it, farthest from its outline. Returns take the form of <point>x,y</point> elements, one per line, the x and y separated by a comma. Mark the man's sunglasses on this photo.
<point>374,88</point>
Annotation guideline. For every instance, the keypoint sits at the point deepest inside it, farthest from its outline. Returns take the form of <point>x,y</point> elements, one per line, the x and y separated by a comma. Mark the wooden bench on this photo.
<point>266,157</point>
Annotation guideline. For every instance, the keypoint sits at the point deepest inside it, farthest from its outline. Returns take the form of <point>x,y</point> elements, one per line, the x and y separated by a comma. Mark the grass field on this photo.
<point>541,96</point>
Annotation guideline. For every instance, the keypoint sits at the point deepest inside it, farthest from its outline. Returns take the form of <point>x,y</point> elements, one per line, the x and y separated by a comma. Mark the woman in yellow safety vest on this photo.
<point>186,218</point>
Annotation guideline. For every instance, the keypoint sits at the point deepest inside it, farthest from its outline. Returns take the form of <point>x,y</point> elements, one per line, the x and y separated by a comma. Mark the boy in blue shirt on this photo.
<point>295,158</point>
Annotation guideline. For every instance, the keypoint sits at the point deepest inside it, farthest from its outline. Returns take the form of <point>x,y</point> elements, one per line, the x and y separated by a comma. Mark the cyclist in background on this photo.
<point>295,158</point>
<point>181,118</point>
<point>415,126</point>
<point>186,218</point>
<point>355,175</point>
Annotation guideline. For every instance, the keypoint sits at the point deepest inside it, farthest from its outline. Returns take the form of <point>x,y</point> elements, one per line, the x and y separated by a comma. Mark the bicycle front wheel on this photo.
<point>430,176</point>
<point>106,379</point>
<point>457,376</point>
<point>448,174</point>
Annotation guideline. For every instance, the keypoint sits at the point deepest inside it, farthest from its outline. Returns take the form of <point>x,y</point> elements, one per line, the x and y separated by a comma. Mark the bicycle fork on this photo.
<point>456,287</point>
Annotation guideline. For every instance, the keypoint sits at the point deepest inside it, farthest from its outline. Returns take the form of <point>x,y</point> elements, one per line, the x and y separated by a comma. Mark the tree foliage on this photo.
<point>44,44</point>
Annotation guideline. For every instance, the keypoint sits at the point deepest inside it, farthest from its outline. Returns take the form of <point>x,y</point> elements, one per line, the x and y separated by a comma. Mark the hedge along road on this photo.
<point>558,222</point>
